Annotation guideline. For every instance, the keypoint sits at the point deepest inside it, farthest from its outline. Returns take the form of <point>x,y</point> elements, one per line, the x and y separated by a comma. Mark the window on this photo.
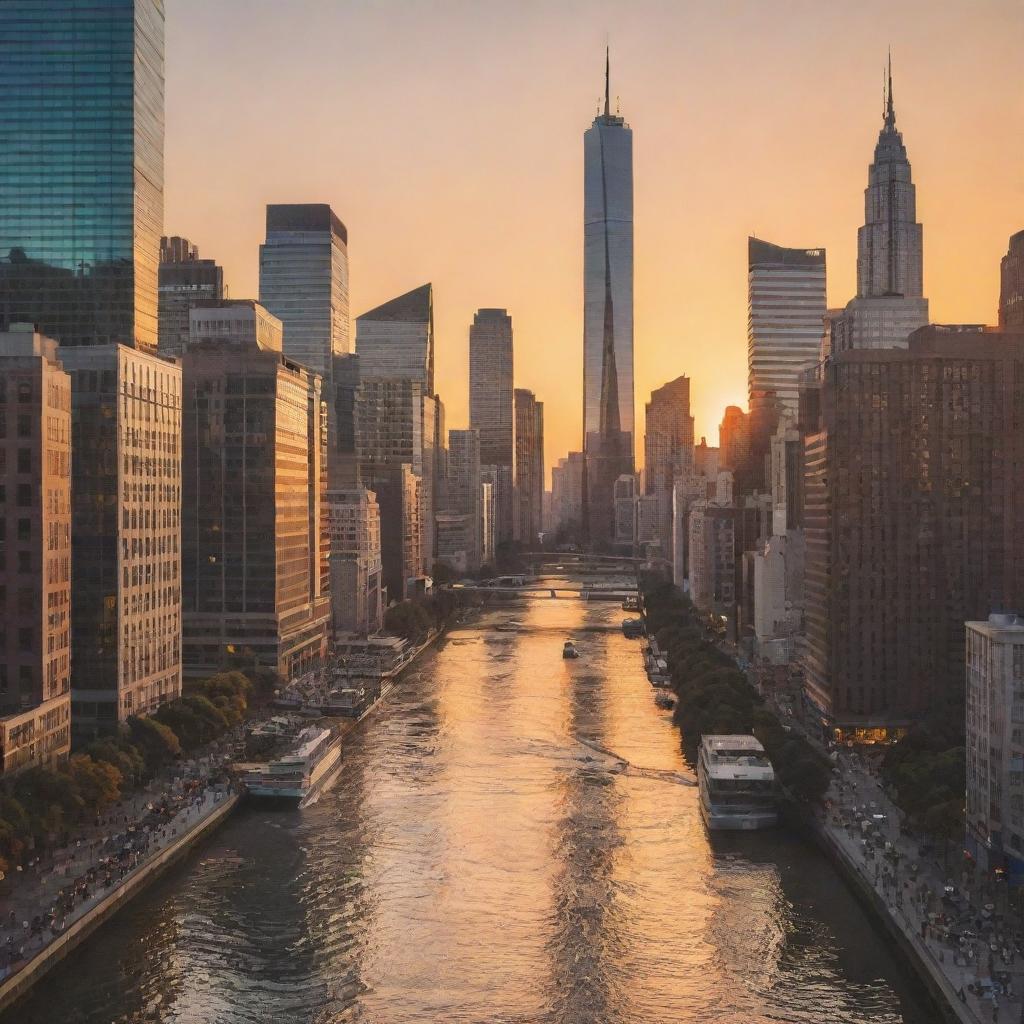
<point>24,460</point>
<point>25,638</point>
<point>24,495</point>
<point>24,424</point>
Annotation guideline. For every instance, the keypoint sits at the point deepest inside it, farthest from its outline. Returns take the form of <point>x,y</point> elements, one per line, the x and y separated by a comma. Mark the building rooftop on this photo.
<point>413,307</point>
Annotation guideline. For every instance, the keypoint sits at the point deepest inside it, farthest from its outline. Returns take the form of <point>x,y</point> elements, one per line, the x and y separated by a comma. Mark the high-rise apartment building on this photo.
<point>1011,284</point>
<point>529,487</point>
<point>81,178</point>
<point>786,303</point>
<point>304,282</point>
<point>184,279</point>
<point>256,570</point>
<point>567,492</point>
<point>624,496</point>
<point>395,341</point>
<point>668,451</point>
<point>712,557</point>
<point>357,586</point>
<point>399,494</point>
<point>734,440</point>
<point>464,489</point>
<point>35,551</point>
<point>607,314</point>
<point>487,516</point>
<point>913,519</point>
<point>125,534</point>
<point>995,745</point>
<point>491,411</point>
<point>889,304</point>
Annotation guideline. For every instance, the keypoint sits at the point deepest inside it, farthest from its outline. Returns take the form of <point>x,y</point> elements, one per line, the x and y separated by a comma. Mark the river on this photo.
<point>478,860</point>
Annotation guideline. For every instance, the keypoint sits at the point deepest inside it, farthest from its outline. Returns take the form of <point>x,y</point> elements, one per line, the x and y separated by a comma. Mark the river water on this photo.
<point>479,860</point>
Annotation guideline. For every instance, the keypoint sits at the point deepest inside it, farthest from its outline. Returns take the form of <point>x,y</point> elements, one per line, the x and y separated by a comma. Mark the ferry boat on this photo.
<point>569,650</point>
<point>631,603</point>
<point>300,776</point>
<point>633,627</point>
<point>737,783</point>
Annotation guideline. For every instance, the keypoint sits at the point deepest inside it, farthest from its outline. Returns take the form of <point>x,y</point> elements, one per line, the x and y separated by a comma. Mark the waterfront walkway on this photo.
<point>53,893</point>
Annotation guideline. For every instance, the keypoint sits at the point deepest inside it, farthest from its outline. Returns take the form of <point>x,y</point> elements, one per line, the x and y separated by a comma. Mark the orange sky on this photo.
<point>447,134</point>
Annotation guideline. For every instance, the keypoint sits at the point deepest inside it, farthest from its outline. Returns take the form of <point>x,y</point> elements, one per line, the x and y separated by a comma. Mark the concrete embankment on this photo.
<point>907,945</point>
<point>17,985</point>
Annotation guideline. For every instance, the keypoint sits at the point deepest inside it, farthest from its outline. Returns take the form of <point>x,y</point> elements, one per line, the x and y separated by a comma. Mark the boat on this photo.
<point>633,627</point>
<point>300,776</point>
<point>569,650</point>
<point>665,700</point>
<point>631,603</point>
<point>737,783</point>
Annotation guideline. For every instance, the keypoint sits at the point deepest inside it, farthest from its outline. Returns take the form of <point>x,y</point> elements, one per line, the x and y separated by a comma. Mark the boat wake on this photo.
<point>609,763</point>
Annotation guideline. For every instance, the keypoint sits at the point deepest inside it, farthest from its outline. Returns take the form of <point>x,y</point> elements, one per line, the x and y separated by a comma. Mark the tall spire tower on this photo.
<point>607,311</point>
<point>890,301</point>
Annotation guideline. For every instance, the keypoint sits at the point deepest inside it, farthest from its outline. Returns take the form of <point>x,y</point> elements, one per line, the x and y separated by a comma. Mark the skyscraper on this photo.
<point>913,519</point>
<point>357,589</point>
<point>464,487</point>
<point>396,340</point>
<point>256,573</point>
<point>35,572</point>
<point>607,313</point>
<point>304,282</point>
<point>184,280</point>
<point>1011,284</point>
<point>668,450</point>
<point>889,304</point>
<point>529,486</point>
<point>491,407</point>
<point>81,179</point>
<point>786,303</point>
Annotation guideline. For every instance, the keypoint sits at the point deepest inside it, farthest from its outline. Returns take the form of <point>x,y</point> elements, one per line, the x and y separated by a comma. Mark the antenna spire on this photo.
<point>607,80</point>
<point>890,113</point>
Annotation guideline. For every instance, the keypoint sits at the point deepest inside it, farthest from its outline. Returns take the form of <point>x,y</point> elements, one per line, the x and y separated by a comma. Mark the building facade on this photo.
<point>712,558</point>
<point>608,420</point>
<point>183,280</point>
<point>668,451</point>
<point>786,303</point>
<point>491,407</point>
<point>465,492</point>
<point>567,493</point>
<point>304,283</point>
<point>395,341</point>
<point>913,520</point>
<point>81,181</point>
<point>529,486</point>
<point>256,570</point>
<point>126,535</point>
<point>357,585</point>
<point>35,552</point>
<point>1011,285</point>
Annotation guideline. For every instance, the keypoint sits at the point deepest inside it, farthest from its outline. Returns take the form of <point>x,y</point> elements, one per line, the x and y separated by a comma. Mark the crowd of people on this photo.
<point>50,894</point>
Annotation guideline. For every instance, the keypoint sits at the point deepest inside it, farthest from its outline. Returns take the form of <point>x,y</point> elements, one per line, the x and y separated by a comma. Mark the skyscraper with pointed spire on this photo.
<point>607,313</point>
<point>889,303</point>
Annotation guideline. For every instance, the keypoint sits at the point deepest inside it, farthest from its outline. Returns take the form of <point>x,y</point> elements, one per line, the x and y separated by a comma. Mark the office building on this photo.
<point>399,494</point>
<point>35,553</point>
<point>687,490</point>
<point>184,279</point>
<point>125,534</point>
<point>995,745</point>
<point>465,492</point>
<point>529,486</point>
<point>712,557</point>
<point>81,178</point>
<point>491,407</point>
<point>567,493</point>
<point>889,304</point>
<point>913,520</point>
<point>395,341</point>
<point>607,314</point>
<point>786,303</point>
<point>624,498</point>
<point>357,587</point>
<point>668,451</point>
<point>1011,285</point>
<point>487,518</point>
<point>304,283</point>
<point>256,570</point>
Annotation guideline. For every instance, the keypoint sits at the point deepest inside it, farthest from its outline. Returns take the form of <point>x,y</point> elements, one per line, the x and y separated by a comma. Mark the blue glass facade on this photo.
<point>81,167</point>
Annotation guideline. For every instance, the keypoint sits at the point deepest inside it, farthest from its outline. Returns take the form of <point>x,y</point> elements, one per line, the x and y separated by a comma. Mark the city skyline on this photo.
<point>689,297</point>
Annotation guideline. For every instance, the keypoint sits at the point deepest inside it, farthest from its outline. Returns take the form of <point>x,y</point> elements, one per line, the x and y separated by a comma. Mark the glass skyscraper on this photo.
<point>304,282</point>
<point>81,168</point>
<point>607,314</point>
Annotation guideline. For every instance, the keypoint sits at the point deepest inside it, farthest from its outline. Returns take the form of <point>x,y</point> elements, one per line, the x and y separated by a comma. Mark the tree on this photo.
<point>157,743</point>
<point>98,782</point>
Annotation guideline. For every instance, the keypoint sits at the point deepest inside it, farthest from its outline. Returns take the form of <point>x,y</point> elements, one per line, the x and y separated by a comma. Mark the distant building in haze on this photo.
<point>786,303</point>
<point>81,177</point>
<point>567,493</point>
<point>608,420</point>
<point>184,280</point>
<point>304,283</point>
<point>529,488</point>
<point>35,582</point>
<point>668,451</point>
<point>491,408</point>
<point>256,573</point>
<point>889,304</point>
<point>465,490</point>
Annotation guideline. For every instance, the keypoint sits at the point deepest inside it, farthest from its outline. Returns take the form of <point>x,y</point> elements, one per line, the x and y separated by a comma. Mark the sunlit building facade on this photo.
<point>395,341</point>
<point>184,280</point>
<point>529,486</point>
<point>465,491</point>
<point>35,552</point>
<point>357,588</point>
<point>256,567</point>
<point>607,315</point>
<point>304,282</point>
<point>81,172</point>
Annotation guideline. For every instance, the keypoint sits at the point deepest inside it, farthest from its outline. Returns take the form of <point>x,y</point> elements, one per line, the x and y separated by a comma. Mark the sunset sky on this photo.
<point>448,137</point>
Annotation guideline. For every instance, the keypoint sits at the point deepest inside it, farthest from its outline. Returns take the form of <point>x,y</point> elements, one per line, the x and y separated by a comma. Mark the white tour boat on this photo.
<point>301,775</point>
<point>737,783</point>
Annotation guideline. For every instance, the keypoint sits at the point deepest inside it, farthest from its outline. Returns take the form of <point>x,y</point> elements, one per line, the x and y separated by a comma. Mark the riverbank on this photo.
<point>89,915</point>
